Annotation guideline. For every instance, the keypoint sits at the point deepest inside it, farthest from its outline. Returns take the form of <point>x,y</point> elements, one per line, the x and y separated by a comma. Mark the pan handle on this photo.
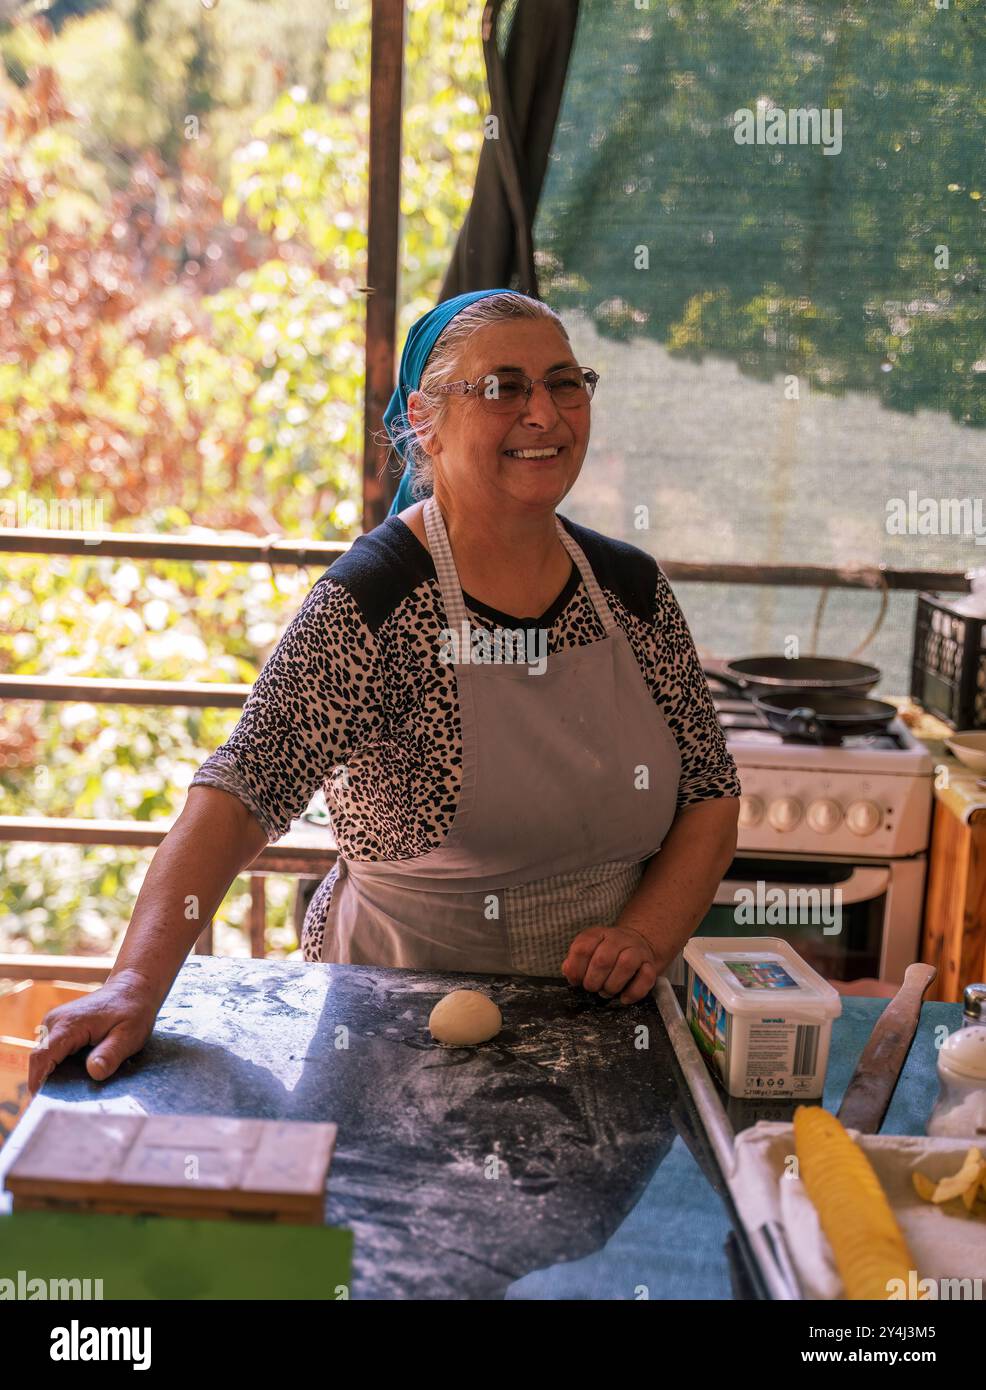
<point>803,720</point>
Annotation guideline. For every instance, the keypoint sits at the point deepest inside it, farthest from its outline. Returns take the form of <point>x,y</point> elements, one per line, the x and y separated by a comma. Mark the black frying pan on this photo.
<point>824,716</point>
<point>763,675</point>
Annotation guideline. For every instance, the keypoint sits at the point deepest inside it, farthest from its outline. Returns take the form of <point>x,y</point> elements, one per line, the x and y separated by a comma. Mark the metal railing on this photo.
<point>275,550</point>
<point>307,851</point>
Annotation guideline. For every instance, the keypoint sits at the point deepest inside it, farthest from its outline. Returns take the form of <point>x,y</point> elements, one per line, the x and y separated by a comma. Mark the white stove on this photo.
<point>849,821</point>
<point>868,795</point>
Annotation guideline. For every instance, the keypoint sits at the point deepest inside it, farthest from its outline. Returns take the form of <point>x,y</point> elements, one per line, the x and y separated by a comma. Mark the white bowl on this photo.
<point>970,748</point>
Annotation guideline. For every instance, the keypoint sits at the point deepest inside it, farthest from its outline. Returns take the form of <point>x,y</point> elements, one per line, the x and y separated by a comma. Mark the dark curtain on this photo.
<point>495,245</point>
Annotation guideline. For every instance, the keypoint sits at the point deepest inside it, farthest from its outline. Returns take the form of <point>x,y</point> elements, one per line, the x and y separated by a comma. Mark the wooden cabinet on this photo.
<point>955,906</point>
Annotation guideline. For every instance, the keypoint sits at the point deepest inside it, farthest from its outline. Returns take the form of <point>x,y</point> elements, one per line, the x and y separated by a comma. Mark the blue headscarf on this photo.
<point>420,341</point>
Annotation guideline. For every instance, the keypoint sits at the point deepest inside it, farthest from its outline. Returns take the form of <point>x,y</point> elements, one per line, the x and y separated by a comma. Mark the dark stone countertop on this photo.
<point>461,1171</point>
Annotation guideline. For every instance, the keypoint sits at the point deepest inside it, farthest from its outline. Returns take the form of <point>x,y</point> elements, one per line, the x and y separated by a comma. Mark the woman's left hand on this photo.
<point>613,961</point>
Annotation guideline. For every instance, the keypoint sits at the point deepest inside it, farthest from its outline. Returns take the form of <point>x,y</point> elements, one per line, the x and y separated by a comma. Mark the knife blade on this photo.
<point>872,1084</point>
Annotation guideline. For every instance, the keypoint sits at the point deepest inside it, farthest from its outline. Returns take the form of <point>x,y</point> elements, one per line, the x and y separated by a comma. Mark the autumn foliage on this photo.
<point>88,292</point>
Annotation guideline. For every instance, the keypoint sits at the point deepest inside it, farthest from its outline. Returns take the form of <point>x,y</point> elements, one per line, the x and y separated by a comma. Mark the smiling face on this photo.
<point>470,452</point>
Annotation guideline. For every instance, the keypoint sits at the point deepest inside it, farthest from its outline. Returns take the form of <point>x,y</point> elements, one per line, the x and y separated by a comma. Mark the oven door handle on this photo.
<point>861,886</point>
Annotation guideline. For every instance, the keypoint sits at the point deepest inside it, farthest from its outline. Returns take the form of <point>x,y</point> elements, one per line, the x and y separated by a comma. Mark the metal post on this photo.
<point>386,102</point>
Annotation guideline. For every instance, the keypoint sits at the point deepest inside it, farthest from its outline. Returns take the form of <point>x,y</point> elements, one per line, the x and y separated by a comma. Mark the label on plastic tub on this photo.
<point>781,1057</point>
<point>709,1021</point>
<point>760,974</point>
<point>762,1016</point>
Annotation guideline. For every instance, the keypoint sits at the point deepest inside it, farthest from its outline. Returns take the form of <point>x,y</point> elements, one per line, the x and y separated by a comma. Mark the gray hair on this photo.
<point>442,366</point>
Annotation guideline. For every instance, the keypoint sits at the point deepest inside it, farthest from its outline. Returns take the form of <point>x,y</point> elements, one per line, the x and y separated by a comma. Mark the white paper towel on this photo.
<point>947,1242</point>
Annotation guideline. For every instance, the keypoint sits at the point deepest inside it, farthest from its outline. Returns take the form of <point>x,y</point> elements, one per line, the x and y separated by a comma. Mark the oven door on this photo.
<point>833,912</point>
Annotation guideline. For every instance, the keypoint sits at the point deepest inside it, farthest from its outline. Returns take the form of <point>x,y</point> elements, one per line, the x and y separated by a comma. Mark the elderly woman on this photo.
<point>517,745</point>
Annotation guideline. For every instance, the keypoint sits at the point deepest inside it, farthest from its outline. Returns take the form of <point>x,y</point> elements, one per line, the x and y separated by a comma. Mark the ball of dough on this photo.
<point>465,1017</point>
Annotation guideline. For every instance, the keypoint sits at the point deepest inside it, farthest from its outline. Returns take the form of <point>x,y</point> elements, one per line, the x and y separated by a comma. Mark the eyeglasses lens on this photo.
<point>508,390</point>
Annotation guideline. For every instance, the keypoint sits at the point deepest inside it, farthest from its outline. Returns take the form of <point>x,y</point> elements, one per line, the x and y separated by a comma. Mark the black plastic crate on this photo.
<point>948,665</point>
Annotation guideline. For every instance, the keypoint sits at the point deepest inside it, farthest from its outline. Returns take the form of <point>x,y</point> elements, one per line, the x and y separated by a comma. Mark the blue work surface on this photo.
<point>671,1244</point>
<point>564,1159</point>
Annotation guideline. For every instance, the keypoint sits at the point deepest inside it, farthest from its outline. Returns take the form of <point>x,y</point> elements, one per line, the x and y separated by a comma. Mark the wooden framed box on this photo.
<point>205,1166</point>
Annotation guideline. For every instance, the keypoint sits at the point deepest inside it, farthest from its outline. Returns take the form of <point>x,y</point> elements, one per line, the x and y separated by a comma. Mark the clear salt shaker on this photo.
<point>960,1109</point>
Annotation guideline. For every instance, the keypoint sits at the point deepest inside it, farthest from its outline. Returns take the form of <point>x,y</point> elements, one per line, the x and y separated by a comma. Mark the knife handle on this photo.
<point>917,978</point>
<point>871,1086</point>
<point>900,1018</point>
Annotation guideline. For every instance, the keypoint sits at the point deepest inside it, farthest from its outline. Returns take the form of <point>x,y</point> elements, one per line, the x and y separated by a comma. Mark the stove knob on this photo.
<point>824,816</point>
<point>784,813</point>
<point>863,817</point>
<point>750,811</point>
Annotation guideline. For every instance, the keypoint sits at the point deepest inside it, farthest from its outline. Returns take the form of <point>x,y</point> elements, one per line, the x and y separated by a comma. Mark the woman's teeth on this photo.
<point>532,453</point>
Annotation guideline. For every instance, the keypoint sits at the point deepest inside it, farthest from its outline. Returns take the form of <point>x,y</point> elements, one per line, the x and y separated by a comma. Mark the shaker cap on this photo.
<point>964,1053</point>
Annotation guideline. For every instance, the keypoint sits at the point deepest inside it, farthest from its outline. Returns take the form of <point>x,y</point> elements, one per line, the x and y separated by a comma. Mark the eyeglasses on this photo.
<point>509,391</point>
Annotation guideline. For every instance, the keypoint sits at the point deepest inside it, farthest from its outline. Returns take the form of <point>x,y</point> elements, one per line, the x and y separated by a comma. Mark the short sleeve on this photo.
<point>315,703</point>
<point>674,674</point>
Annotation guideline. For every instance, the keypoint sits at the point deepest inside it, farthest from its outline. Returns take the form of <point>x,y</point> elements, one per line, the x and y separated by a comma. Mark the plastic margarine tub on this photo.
<point>760,1012</point>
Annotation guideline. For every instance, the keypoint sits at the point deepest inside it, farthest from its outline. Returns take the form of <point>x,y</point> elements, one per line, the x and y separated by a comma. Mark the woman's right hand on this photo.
<point>115,1020</point>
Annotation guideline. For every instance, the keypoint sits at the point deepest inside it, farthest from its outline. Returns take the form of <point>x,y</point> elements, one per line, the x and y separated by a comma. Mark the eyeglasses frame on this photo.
<point>464,387</point>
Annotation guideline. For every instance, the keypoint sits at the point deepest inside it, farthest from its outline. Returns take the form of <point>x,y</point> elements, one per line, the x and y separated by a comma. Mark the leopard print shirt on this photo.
<point>352,700</point>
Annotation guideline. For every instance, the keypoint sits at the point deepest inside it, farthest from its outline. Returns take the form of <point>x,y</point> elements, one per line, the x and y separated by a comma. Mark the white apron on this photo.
<point>569,783</point>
